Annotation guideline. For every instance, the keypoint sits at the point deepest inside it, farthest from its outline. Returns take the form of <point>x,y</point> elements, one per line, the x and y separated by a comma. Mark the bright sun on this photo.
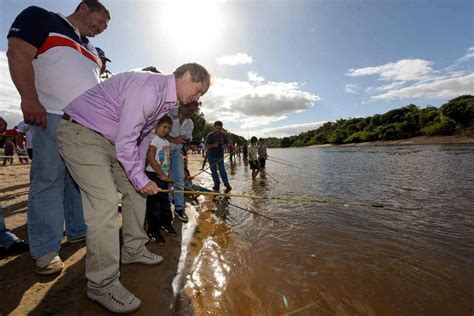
<point>194,25</point>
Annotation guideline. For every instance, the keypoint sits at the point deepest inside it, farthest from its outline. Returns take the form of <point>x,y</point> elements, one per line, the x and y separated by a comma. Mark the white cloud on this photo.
<point>469,55</point>
<point>254,105</point>
<point>450,87</point>
<point>9,97</point>
<point>386,87</point>
<point>254,77</point>
<point>415,78</point>
<point>402,70</point>
<point>282,131</point>
<point>236,59</point>
<point>351,88</point>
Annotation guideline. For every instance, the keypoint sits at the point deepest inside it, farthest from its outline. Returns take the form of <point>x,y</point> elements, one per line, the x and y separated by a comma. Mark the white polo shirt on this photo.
<point>180,129</point>
<point>66,64</point>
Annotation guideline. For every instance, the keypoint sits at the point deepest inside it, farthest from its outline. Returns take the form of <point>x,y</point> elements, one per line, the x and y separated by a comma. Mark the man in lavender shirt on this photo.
<point>103,138</point>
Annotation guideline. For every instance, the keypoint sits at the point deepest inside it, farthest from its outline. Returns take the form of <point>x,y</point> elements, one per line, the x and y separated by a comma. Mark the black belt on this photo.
<point>67,117</point>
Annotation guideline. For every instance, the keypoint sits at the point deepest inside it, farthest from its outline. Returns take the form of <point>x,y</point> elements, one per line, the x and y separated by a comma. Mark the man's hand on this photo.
<point>3,125</point>
<point>20,56</point>
<point>181,139</point>
<point>150,188</point>
<point>166,178</point>
<point>34,113</point>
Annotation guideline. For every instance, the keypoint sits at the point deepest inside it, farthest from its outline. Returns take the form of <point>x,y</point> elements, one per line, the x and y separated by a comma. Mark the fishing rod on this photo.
<point>279,159</point>
<point>234,205</point>
<point>284,163</point>
<point>253,212</point>
<point>279,198</point>
<point>204,161</point>
<point>225,156</point>
<point>266,174</point>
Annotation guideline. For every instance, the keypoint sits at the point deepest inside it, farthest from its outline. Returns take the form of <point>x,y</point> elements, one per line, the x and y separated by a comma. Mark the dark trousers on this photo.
<point>158,210</point>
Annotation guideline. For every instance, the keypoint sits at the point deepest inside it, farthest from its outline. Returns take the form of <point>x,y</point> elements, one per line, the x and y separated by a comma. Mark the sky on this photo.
<point>282,67</point>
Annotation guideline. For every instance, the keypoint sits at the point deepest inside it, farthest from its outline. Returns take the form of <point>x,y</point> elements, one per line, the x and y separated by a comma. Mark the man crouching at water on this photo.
<point>103,138</point>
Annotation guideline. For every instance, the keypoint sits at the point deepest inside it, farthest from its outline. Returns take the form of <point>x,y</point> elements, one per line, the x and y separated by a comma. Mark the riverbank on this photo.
<point>23,291</point>
<point>420,140</point>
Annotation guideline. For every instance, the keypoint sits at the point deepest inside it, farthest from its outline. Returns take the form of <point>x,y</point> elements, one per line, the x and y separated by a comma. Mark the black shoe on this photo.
<point>181,215</point>
<point>156,237</point>
<point>215,189</point>
<point>17,247</point>
<point>227,189</point>
<point>169,229</point>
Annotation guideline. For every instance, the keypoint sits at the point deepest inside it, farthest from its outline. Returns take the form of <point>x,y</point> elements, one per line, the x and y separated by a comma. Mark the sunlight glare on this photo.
<point>193,25</point>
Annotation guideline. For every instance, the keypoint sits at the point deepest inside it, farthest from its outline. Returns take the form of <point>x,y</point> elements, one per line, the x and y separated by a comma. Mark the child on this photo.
<point>262,155</point>
<point>22,153</point>
<point>158,210</point>
<point>9,149</point>
<point>253,157</point>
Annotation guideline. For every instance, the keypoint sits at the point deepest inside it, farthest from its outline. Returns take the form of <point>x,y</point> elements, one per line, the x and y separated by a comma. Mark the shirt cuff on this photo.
<point>140,180</point>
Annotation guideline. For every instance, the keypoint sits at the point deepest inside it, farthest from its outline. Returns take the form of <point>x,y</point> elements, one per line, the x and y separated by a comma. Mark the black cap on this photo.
<point>102,54</point>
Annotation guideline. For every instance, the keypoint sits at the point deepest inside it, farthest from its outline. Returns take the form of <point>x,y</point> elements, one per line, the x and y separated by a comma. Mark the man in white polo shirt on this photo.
<point>51,63</point>
<point>181,132</point>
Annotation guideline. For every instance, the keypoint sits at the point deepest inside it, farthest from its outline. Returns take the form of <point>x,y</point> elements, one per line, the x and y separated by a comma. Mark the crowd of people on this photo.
<point>17,141</point>
<point>96,134</point>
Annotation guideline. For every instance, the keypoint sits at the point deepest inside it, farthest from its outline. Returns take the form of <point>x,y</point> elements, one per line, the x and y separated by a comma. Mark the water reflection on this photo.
<point>412,257</point>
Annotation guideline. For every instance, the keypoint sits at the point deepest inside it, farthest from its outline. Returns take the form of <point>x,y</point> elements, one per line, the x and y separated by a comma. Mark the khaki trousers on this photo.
<point>92,162</point>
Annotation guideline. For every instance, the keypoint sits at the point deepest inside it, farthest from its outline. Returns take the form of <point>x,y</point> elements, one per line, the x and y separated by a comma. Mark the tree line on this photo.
<point>454,117</point>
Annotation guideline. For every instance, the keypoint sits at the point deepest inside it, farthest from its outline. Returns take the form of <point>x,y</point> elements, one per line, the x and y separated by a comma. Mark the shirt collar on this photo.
<point>67,21</point>
<point>171,96</point>
<point>174,111</point>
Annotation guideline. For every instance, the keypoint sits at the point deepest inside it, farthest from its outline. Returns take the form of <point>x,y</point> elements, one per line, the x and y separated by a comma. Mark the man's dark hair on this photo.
<point>218,123</point>
<point>165,119</point>
<point>94,5</point>
<point>152,69</point>
<point>253,139</point>
<point>198,72</point>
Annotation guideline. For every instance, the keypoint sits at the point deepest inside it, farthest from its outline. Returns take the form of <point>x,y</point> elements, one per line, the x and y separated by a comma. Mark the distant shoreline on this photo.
<point>419,140</point>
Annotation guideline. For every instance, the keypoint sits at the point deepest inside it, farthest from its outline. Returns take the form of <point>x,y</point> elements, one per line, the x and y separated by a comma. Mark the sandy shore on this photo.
<point>420,140</point>
<point>22,291</point>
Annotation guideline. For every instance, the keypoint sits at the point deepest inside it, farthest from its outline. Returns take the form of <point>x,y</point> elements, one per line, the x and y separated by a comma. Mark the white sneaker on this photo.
<point>144,256</point>
<point>49,263</point>
<point>116,299</point>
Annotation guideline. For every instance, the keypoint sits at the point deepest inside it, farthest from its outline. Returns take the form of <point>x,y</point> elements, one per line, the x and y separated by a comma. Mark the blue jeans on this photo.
<point>6,237</point>
<point>54,197</point>
<point>177,172</point>
<point>214,166</point>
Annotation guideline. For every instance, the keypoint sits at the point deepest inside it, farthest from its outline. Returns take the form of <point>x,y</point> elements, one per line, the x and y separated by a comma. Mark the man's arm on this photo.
<point>209,139</point>
<point>20,55</point>
<point>181,139</point>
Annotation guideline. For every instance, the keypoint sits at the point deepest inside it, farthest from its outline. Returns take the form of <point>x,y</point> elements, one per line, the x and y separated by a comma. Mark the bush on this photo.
<point>362,136</point>
<point>442,127</point>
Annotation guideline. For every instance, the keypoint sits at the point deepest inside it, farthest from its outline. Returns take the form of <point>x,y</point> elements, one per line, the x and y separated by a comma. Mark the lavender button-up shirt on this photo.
<point>125,110</point>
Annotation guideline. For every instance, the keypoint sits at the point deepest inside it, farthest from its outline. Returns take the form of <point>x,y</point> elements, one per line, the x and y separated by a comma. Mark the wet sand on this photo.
<point>23,291</point>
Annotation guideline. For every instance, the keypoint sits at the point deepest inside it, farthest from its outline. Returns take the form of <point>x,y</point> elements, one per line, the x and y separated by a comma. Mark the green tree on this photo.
<point>460,110</point>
